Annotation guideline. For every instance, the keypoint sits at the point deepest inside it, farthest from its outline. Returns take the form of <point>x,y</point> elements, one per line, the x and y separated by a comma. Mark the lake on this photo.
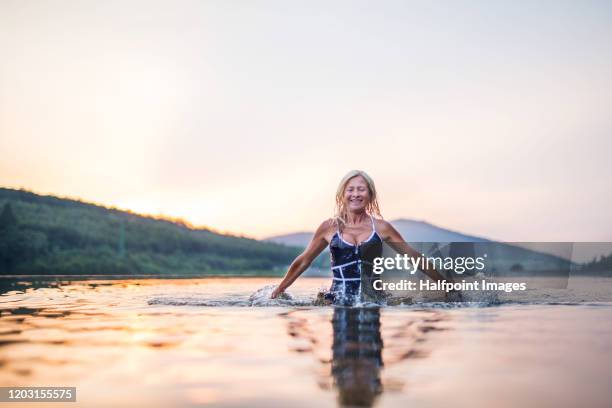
<point>221,342</point>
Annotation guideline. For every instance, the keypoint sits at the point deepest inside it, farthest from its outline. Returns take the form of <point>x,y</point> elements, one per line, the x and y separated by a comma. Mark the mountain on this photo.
<point>421,231</point>
<point>51,235</point>
<point>411,231</point>
<point>503,258</point>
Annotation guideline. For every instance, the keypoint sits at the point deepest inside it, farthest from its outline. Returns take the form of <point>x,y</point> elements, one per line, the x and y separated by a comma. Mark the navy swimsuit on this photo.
<point>352,268</point>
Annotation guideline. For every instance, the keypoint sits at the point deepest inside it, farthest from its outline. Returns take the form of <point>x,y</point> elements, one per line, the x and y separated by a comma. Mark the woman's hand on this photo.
<point>275,293</point>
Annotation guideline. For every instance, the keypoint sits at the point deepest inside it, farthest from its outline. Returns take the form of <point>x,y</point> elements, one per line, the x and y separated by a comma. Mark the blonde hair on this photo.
<point>341,211</point>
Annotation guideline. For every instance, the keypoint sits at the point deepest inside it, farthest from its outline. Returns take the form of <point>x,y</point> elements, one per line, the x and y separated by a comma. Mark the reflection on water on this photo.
<point>360,348</point>
<point>357,355</point>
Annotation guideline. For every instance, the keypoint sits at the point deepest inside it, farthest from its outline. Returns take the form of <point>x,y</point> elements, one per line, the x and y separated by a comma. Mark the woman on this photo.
<point>355,238</point>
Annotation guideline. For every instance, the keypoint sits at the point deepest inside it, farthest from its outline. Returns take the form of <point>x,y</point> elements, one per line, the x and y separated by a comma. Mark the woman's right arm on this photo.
<point>303,261</point>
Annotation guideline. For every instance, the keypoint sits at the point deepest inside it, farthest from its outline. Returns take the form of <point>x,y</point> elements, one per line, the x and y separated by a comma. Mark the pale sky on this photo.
<point>491,118</point>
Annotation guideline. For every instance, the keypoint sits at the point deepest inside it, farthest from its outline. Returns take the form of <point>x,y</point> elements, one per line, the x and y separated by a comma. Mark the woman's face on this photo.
<point>356,194</point>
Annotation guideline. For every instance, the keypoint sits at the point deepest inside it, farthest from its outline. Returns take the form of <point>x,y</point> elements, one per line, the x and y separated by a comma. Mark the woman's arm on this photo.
<point>303,261</point>
<point>392,237</point>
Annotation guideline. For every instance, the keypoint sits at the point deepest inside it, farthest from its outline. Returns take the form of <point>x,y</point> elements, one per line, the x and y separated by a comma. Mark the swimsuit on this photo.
<point>352,268</point>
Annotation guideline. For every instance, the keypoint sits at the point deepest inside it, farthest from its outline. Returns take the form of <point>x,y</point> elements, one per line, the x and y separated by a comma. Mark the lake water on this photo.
<point>193,342</point>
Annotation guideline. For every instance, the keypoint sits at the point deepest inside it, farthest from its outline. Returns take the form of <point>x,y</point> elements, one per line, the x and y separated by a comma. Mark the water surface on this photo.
<point>192,342</point>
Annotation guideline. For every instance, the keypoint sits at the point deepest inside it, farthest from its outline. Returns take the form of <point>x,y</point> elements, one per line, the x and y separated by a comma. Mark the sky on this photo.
<point>492,118</point>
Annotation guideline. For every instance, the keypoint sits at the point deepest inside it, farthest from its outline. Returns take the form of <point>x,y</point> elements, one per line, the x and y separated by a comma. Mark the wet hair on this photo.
<point>341,211</point>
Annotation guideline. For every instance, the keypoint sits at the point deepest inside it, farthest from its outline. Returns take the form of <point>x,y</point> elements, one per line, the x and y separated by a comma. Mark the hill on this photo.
<point>51,235</point>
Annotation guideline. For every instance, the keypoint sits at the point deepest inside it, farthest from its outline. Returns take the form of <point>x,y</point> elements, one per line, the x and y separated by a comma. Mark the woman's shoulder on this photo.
<point>327,225</point>
<point>381,224</point>
<point>385,229</point>
<point>326,230</point>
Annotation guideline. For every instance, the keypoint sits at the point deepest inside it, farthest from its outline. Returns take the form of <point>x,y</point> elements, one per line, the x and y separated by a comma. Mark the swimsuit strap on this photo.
<point>373,224</point>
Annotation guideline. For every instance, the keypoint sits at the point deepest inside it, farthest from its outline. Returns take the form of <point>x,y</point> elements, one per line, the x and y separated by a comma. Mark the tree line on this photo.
<point>52,235</point>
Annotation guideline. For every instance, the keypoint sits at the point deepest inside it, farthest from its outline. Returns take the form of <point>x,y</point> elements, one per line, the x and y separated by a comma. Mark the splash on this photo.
<point>244,297</point>
<point>259,298</point>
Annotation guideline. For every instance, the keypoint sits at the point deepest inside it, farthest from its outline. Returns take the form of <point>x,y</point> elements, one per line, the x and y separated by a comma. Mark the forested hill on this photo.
<point>51,235</point>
